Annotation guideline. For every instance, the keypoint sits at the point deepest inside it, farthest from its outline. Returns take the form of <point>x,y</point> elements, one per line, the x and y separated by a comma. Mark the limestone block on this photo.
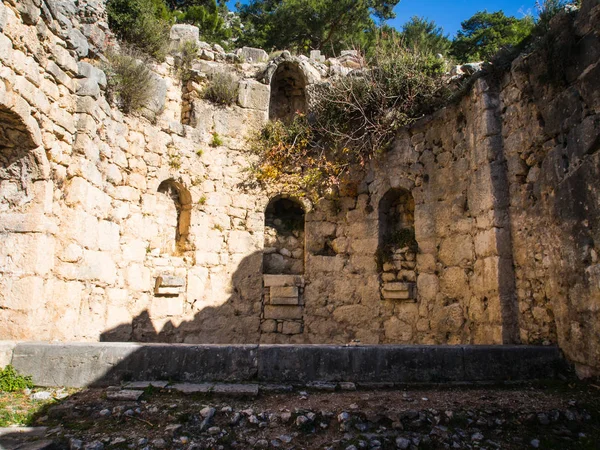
<point>355,315</point>
<point>77,41</point>
<point>184,32</point>
<point>289,327</point>
<point>169,285</point>
<point>454,283</point>
<point>284,300</point>
<point>27,253</point>
<point>456,250</point>
<point>364,246</point>
<point>165,307</point>
<point>22,294</point>
<point>254,95</point>
<point>72,253</point>
<point>2,24</point>
<point>29,10</point>
<point>108,236</point>
<point>59,75</point>
<point>252,55</point>
<point>397,295</point>
<point>98,266</point>
<point>62,118</point>
<point>284,291</point>
<point>96,37</point>
<point>63,58</point>
<point>485,243</point>
<point>88,87</point>
<point>397,330</point>
<point>283,312</point>
<point>283,280</point>
<point>80,192</point>
<point>157,102</point>
<point>427,286</point>
<point>81,227</point>
<point>268,326</point>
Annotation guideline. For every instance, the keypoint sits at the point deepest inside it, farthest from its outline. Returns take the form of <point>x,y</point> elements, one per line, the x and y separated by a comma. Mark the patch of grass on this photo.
<point>11,380</point>
<point>202,200</point>
<point>17,408</point>
<point>199,152</point>
<point>216,140</point>
<point>175,161</point>
<point>218,227</point>
<point>222,89</point>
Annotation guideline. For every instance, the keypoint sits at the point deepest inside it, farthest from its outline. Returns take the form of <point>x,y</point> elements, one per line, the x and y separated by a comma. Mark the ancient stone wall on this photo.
<point>478,227</point>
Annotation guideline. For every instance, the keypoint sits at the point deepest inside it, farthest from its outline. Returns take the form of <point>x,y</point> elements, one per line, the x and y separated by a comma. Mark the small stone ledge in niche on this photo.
<point>399,291</point>
<point>168,286</point>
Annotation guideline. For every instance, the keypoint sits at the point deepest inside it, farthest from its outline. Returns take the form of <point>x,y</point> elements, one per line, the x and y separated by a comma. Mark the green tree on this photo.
<point>208,16</point>
<point>301,25</point>
<point>425,36</point>
<point>142,23</point>
<point>481,36</point>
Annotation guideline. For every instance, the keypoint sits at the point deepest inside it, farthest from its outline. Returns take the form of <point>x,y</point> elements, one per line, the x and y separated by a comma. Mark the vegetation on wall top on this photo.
<point>352,120</point>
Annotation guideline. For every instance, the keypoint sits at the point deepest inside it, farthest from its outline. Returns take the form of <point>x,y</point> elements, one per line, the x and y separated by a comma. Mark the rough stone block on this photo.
<point>284,301</point>
<point>192,388</point>
<point>290,327</point>
<point>397,287</point>
<point>252,55</point>
<point>284,291</point>
<point>283,280</point>
<point>283,312</point>
<point>236,390</point>
<point>254,95</point>
<point>183,32</point>
<point>125,394</point>
<point>396,295</point>
<point>141,385</point>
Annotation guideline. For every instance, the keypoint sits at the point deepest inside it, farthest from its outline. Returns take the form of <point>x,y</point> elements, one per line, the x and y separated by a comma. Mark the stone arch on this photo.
<point>178,212</point>
<point>18,163</point>
<point>288,92</point>
<point>284,249</point>
<point>397,248</point>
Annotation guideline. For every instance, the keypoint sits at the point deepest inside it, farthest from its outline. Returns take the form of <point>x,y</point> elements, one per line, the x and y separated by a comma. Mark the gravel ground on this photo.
<point>557,415</point>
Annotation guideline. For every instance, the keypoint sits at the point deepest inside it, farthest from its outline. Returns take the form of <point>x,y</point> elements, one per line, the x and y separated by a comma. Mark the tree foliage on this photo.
<point>208,15</point>
<point>301,25</point>
<point>423,36</point>
<point>142,23</point>
<point>481,36</point>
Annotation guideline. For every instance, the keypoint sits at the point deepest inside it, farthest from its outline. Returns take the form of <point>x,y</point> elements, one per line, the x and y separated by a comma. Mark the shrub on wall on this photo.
<point>130,83</point>
<point>222,89</point>
<point>351,120</point>
<point>142,23</point>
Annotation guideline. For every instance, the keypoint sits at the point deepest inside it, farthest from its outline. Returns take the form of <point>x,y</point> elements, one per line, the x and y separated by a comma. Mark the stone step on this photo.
<point>106,363</point>
<point>24,438</point>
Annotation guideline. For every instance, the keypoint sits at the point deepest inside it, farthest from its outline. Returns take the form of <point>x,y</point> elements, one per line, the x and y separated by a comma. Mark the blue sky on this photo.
<point>450,13</point>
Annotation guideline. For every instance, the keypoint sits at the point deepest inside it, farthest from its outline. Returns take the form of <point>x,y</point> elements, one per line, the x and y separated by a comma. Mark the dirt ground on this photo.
<point>557,415</point>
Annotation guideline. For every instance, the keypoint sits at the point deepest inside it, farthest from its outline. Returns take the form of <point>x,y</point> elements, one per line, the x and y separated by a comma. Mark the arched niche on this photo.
<point>18,165</point>
<point>288,92</point>
<point>398,248</point>
<point>174,208</point>
<point>284,237</point>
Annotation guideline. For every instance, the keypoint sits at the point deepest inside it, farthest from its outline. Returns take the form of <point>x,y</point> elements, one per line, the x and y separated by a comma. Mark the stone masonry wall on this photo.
<point>145,228</point>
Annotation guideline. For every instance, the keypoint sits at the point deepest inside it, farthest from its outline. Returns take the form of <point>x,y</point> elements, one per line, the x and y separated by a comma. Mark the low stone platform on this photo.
<point>102,364</point>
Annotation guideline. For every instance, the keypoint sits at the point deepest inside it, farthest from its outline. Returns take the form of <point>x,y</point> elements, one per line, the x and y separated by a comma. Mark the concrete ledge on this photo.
<point>85,364</point>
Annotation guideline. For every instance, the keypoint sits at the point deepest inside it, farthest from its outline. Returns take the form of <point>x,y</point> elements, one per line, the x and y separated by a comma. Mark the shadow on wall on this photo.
<point>237,320</point>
